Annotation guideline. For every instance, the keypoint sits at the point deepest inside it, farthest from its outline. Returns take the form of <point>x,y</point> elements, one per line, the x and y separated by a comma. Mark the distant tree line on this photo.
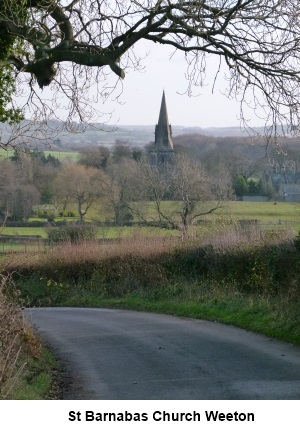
<point>119,182</point>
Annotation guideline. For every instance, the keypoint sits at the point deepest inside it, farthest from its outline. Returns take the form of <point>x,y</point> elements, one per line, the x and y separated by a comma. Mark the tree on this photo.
<point>26,197</point>
<point>240,186</point>
<point>45,169</point>
<point>8,45</point>
<point>121,150</point>
<point>155,188</point>
<point>118,188</point>
<point>8,184</point>
<point>72,46</point>
<point>255,186</point>
<point>18,194</point>
<point>195,193</point>
<point>94,157</point>
<point>77,184</point>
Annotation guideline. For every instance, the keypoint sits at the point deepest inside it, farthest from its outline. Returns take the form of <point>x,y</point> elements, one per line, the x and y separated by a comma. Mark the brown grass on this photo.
<point>90,252</point>
<point>15,337</point>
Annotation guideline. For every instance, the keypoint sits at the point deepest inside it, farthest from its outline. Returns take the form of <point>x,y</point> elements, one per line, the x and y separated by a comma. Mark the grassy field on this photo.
<point>61,155</point>
<point>102,232</point>
<point>24,231</point>
<point>264,211</point>
<point>269,216</point>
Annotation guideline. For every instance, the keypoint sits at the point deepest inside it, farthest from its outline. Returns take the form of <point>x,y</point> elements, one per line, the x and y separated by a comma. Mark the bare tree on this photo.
<point>156,189</point>
<point>192,194</point>
<point>118,188</point>
<point>94,156</point>
<point>73,46</point>
<point>76,184</point>
<point>9,183</point>
<point>18,194</point>
<point>27,197</point>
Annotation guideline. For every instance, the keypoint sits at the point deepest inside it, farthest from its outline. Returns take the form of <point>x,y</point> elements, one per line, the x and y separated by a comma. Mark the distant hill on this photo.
<point>136,135</point>
<point>139,135</point>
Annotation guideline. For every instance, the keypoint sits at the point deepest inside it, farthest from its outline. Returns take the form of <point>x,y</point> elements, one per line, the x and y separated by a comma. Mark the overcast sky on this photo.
<point>142,92</point>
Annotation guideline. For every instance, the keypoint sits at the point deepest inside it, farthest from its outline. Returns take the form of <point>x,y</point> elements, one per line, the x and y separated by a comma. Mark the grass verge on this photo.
<point>262,315</point>
<point>39,380</point>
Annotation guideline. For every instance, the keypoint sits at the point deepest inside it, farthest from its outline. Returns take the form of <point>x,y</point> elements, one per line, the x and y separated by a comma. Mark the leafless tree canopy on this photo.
<point>67,44</point>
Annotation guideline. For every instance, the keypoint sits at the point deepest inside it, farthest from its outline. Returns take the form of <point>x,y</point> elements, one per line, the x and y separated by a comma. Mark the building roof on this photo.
<point>290,189</point>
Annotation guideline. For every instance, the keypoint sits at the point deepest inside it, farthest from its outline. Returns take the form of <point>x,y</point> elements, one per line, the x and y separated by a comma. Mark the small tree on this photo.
<point>117,189</point>
<point>18,193</point>
<point>194,194</point>
<point>77,184</point>
<point>198,194</point>
<point>94,157</point>
<point>240,186</point>
<point>255,186</point>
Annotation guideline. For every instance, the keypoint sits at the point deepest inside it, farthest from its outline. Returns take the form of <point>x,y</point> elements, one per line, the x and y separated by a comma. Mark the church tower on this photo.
<point>163,147</point>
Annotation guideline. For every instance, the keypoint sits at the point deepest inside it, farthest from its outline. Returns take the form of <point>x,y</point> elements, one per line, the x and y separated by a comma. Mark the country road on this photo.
<point>115,354</point>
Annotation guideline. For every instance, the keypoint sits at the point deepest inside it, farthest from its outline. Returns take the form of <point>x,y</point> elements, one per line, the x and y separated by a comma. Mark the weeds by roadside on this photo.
<point>11,340</point>
<point>23,361</point>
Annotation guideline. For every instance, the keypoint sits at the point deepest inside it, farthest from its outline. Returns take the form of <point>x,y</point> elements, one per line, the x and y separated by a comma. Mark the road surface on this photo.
<point>127,355</point>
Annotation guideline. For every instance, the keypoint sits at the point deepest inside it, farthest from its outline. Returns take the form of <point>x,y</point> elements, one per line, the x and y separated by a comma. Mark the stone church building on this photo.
<point>163,147</point>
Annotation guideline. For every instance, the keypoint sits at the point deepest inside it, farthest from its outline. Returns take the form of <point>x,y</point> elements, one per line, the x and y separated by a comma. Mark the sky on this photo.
<point>140,100</point>
<point>141,93</point>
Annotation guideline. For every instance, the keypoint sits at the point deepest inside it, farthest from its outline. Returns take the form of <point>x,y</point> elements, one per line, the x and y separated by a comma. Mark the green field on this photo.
<point>269,216</point>
<point>24,231</point>
<point>264,211</point>
<point>240,210</point>
<point>61,155</point>
<point>103,232</point>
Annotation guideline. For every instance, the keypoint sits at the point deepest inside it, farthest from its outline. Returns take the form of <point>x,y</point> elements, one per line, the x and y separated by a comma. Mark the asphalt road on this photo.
<point>115,354</point>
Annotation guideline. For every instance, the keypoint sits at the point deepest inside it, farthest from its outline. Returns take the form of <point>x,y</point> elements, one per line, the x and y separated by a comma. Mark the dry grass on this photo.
<point>247,259</point>
<point>73,257</point>
<point>90,252</point>
<point>15,338</point>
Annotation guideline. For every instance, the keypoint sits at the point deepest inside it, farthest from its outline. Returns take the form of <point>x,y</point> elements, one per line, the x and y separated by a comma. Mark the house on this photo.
<point>290,192</point>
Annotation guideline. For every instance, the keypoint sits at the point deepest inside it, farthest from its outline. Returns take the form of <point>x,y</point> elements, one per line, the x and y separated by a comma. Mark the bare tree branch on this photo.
<point>258,41</point>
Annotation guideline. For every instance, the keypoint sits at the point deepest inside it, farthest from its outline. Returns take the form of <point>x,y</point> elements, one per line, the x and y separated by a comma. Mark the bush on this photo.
<point>268,266</point>
<point>73,233</point>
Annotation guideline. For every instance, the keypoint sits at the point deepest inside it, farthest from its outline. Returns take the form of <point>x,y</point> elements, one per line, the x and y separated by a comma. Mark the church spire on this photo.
<point>163,119</point>
<point>163,151</point>
<point>163,131</point>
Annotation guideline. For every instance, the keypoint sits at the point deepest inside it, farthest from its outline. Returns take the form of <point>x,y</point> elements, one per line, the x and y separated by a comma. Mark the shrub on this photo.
<point>268,265</point>
<point>73,233</point>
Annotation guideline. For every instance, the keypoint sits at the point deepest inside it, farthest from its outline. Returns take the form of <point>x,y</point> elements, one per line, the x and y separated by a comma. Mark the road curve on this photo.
<point>115,354</point>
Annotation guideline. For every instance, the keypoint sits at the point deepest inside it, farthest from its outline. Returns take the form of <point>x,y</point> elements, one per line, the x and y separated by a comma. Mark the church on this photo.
<point>163,150</point>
